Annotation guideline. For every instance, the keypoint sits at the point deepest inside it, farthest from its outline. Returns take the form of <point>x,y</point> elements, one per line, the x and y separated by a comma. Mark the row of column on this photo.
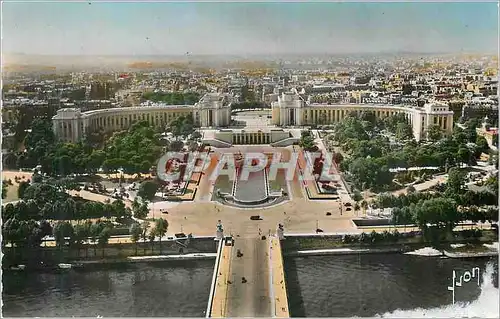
<point>218,117</point>
<point>252,138</point>
<point>69,130</point>
<point>116,122</point>
<point>331,116</point>
<point>443,121</point>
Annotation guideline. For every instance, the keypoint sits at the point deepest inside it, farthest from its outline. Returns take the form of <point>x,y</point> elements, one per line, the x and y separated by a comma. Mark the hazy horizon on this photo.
<point>240,29</point>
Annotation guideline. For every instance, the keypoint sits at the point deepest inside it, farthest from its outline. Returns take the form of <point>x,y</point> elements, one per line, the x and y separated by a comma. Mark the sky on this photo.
<point>174,28</point>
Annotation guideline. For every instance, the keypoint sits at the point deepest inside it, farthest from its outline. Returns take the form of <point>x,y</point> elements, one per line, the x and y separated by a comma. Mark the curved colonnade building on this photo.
<point>214,110</point>
<point>292,110</point>
<point>71,125</point>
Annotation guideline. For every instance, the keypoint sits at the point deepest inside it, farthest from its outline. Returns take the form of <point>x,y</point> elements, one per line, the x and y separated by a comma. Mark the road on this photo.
<point>250,299</point>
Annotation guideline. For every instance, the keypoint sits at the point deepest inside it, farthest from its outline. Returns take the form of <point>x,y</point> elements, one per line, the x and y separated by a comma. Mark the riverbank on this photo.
<point>410,243</point>
<point>41,258</point>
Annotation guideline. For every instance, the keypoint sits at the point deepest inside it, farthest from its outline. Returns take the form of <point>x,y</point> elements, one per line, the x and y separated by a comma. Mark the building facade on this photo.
<point>71,124</point>
<point>292,110</point>
<point>213,110</point>
<point>248,137</point>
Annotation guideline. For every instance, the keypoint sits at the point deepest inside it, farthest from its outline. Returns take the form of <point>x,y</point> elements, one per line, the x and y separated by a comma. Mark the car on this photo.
<point>347,204</point>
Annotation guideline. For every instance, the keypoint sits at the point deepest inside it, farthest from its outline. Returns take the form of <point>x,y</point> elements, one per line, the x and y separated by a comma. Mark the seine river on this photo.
<point>330,286</point>
<point>388,285</point>
<point>160,289</point>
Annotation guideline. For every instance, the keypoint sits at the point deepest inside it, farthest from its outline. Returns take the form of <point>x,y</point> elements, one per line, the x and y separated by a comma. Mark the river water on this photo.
<point>160,289</point>
<point>388,285</point>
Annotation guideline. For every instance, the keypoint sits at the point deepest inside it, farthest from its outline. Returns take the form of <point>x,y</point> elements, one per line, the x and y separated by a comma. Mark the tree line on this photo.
<point>135,150</point>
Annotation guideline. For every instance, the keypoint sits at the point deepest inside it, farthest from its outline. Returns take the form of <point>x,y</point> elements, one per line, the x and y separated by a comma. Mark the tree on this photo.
<point>148,189</point>
<point>434,133</point>
<point>119,211</point>
<point>492,183</point>
<point>161,227</point>
<point>10,161</point>
<point>5,185</point>
<point>459,136</point>
<point>61,231</point>
<point>364,205</point>
<point>470,129</point>
<point>196,135</point>
<point>356,196</point>
<point>103,237</point>
<point>135,234</point>
<point>140,210</point>
<point>176,146</point>
<point>22,188</point>
<point>482,144</point>
<point>95,160</point>
<point>307,141</point>
<point>81,234</point>
<point>131,149</point>
<point>39,142</point>
<point>464,155</point>
<point>455,185</point>
<point>356,207</point>
<point>95,230</point>
<point>144,234</point>
<point>404,131</point>
<point>439,212</point>
<point>151,237</point>
<point>337,157</point>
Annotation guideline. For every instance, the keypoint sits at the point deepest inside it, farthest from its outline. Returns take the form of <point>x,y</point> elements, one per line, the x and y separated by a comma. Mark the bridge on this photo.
<point>250,284</point>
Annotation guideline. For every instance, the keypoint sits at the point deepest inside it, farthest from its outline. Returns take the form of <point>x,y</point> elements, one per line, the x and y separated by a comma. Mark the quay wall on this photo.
<point>406,242</point>
<point>115,251</point>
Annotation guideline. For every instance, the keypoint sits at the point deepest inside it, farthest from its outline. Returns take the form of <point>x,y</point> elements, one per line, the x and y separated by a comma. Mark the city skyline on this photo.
<point>96,28</point>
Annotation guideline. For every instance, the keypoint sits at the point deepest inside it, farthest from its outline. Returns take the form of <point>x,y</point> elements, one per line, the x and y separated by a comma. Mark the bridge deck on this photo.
<point>264,294</point>
<point>234,298</point>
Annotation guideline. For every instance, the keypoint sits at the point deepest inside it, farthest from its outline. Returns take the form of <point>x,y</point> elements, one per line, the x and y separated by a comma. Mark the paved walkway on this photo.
<point>438,179</point>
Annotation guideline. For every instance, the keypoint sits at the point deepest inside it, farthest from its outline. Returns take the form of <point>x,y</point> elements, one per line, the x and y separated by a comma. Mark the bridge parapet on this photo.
<point>278,283</point>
